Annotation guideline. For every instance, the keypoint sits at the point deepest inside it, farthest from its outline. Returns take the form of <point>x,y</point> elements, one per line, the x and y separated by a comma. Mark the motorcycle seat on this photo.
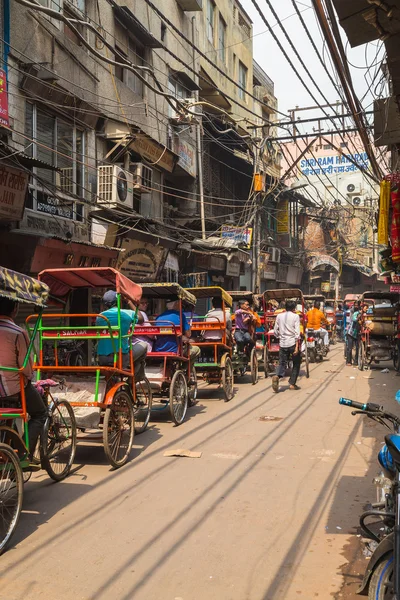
<point>393,444</point>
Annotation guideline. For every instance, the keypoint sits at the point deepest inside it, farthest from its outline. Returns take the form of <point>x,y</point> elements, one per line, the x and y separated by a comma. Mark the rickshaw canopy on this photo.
<point>393,297</point>
<point>283,294</point>
<point>212,291</point>
<point>22,288</point>
<point>62,281</point>
<point>165,290</point>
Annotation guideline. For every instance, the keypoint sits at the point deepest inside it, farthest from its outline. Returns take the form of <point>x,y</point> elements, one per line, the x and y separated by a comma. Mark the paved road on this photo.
<point>267,513</point>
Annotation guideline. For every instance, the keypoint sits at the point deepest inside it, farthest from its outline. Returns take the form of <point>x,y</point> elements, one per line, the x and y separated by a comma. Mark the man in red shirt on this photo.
<point>14,344</point>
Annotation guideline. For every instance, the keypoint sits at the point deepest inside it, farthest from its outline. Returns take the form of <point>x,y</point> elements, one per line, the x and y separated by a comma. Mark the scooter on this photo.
<point>382,576</point>
<point>315,346</point>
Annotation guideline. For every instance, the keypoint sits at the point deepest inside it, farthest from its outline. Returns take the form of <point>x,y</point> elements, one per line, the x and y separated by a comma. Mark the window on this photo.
<point>135,53</point>
<point>53,4</point>
<point>210,20</point>
<point>242,80</point>
<point>61,145</point>
<point>222,39</point>
<point>344,145</point>
<point>327,147</point>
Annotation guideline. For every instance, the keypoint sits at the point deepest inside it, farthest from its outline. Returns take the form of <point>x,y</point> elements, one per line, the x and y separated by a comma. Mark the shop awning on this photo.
<point>321,261</point>
<point>134,26</point>
<point>349,262</point>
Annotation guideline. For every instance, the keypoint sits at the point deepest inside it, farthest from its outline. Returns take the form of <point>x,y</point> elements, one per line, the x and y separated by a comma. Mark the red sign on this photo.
<point>395,289</point>
<point>3,99</point>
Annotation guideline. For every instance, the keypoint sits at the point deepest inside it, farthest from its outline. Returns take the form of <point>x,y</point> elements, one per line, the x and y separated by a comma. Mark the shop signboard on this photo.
<point>328,165</point>
<point>282,217</point>
<point>240,235</point>
<point>233,267</point>
<point>269,272</point>
<point>325,286</point>
<point>395,289</point>
<point>4,121</point>
<point>13,186</point>
<point>154,152</point>
<point>140,261</point>
<point>217,263</point>
<point>187,155</point>
<point>282,273</point>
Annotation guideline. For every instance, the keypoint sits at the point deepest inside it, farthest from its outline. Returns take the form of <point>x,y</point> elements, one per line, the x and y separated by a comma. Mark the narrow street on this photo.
<point>268,512</point>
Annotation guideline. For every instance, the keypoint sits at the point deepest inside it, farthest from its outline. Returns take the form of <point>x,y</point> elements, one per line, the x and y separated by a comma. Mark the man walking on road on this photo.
<point>287,329</point>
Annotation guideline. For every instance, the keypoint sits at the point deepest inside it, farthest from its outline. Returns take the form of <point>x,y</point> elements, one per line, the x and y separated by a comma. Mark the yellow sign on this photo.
<point>282,217</point>
<point>383,221</point>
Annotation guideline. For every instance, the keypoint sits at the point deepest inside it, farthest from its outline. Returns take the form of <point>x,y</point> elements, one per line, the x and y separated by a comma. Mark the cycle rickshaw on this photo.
<point>378,329</point>
<point>211,336</point>
<point>172,378</point>
<point>241,360</point>
<point>271,343</point>
<point>309,300</point>
<point>57,441</point>
<point>105,399</point>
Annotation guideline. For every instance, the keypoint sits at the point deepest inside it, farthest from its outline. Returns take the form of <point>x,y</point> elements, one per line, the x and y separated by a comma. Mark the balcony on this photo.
<point>190,5</point>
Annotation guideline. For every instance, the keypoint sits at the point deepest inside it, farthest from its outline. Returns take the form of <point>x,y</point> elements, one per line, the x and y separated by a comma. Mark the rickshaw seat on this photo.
<point>11,411</point>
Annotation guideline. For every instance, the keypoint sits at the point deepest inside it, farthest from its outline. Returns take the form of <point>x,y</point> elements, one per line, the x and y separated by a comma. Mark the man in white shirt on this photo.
<point>216,315</point>
<point>287,329</point>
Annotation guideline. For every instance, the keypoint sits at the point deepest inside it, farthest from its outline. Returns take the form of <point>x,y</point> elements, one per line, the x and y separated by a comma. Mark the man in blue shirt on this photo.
<point>105,349</point>
<point>169,343</point>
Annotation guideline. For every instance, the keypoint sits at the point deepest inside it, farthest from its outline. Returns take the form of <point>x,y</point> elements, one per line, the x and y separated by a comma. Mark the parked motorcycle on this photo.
<point>315,346</point>
<point>382,577</point>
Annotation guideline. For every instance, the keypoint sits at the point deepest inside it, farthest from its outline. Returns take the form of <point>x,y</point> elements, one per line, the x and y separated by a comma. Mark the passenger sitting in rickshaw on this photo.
<point>168,343</point>
<point>105,347</point>
<point>245,323</point>
<point>14,344</point>
<point>316,320</point>
<point>281,308</point>
<point>145,339</point>
<point>216,315</point>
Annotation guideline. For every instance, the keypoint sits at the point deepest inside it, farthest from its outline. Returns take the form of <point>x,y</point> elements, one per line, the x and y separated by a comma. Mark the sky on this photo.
<point>288,89</point>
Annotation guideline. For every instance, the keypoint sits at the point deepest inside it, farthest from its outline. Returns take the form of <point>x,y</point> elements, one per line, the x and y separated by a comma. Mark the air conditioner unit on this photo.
<point>356,201</point>
<point>142,177</point>
<point>353,188</point>
<point>275,254</point>
<point>114,187</point>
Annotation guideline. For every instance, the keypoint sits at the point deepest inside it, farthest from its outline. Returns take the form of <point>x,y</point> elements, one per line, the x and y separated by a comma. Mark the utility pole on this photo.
<point>199,154</point>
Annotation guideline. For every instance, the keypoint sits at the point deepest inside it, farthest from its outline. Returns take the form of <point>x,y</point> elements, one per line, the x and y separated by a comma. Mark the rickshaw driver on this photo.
<point>244,319</point>
<point>105,349</point>
<point>13,347</point>
<point>168,343</point>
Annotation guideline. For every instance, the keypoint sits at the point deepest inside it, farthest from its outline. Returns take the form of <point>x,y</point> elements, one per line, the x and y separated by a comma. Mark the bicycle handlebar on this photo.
<point>368,406</point>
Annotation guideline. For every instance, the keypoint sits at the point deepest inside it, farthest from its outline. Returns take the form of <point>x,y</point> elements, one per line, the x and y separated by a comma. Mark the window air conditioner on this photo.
<point>275,254</point>
<point>142,177</point>
<point>114,187</point>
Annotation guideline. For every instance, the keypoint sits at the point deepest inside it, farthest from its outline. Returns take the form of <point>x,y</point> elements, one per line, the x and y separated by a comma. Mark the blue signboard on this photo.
<point>333,164</point>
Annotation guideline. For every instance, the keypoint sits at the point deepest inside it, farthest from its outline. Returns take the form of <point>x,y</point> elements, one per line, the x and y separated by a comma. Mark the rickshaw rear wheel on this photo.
<point>254,366</point>
<point>142,405</point>
<point>266,361</point>
<point>119,428</point>
<point>58,440</point>
<point>227,377</point>
<point>11,493</point>
<point>192,387</point>
<point>396,357</point>
<point>178,397</point>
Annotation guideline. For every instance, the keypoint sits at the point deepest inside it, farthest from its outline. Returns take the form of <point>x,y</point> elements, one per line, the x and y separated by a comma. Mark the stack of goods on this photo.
<point>381,324</point>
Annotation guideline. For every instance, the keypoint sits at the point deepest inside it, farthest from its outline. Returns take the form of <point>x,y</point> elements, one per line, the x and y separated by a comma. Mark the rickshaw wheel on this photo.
<point>178,397</point>
<point>227,377</point>
<point>254,366</point>
<point>192,388</point>
<point>361,357</point>
<point>11,493</point>
<point>142,405</point>
<point>119,428</point>
<point>266,361</point>
<point>58,440</point>
<point>307,361</point>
